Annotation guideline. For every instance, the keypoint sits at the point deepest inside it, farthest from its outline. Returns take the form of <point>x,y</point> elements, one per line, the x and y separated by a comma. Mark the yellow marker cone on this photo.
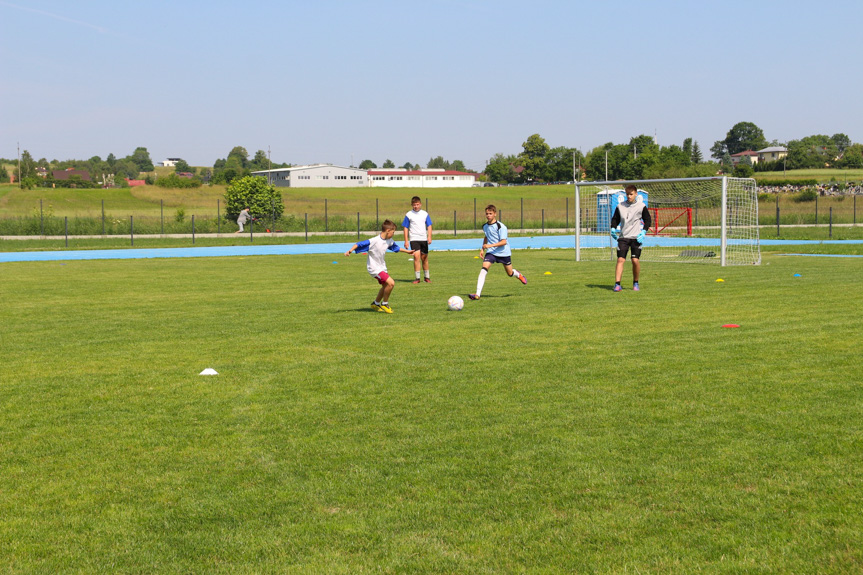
<point>720,280</point>
<point>547,273</point>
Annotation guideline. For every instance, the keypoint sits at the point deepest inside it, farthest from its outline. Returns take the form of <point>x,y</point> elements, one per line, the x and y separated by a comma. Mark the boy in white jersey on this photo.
<point>377,248</point>
<point>418,236</point>
<point>495,250</point>
<point>634,220</point>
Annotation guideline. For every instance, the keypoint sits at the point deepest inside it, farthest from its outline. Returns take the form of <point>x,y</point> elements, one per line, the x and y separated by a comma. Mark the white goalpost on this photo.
<point>709,220</point>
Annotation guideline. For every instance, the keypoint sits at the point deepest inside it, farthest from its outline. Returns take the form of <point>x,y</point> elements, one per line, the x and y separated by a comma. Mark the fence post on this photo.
<point>66,227</point>
<point>193,229</point>
<point>522,215</point>
<point>543,220</point>
<point>831,223</point>
<point>41,218</point>
<point>816,208</point>
<point>377,217</point>
<point>454,224</point>
<point>307,226</point>
<point>855,208</point>
<point>162,215</point>
<point>132,229</point>
<point>777,215</point>
<point>474,213</point>
<point>326,217</point>
<point>103,217</point>
<point>218,216</point>
<point>358,225</point>
<point>567,214</point>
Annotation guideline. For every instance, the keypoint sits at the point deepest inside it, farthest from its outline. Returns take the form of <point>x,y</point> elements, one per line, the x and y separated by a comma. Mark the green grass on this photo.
<point>556,427</point>
<point>824,175</point>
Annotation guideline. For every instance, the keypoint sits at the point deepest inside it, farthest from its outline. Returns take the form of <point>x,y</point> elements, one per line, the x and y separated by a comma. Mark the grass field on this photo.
<point>553,427</point>
<point>823,176</point>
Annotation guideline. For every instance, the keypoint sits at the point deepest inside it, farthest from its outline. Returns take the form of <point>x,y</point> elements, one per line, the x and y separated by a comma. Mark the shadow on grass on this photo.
<point>606,287</point>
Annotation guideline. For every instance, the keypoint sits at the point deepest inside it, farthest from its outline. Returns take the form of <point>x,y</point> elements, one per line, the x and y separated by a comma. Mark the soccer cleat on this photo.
<point>386,308</point>
<point>416,281</point>
<point>376,307</point>
<point>473,296</point>
<point>428,281</point>
<point>617,287</point>
<point>522,279</point>
<point>635,287</point>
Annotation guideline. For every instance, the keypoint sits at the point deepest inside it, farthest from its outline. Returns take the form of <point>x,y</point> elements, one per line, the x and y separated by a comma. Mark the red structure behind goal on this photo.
<point>671,221</point>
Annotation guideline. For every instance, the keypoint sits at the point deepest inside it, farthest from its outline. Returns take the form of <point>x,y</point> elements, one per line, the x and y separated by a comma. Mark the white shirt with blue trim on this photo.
<point>417,222</point>
<point>377,248</point>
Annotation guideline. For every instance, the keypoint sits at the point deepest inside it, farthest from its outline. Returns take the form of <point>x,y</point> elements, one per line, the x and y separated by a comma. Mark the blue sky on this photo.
<point>336,81</point>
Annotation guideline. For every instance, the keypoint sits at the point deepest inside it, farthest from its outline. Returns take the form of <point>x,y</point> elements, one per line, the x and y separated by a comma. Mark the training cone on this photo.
<point>209,371</point>
<point>730,325</point>
<point>547,273</point>
<point>797,275</point>
<point>720,280</point>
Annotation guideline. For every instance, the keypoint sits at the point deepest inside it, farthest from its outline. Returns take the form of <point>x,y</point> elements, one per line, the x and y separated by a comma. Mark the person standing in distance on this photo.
<point>629,225</point>
<point>418,236</point>
<point>495,250</point>
<point>245,216</point>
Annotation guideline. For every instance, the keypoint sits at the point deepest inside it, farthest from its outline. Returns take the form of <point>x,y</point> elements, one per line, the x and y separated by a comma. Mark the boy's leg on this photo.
<point>512,272</point>
<point>386,290</point>
<point>618,270</point>
<point>417,264</point>
<point>480,281</point>
<point>425,261</point>
<point>636,269</point>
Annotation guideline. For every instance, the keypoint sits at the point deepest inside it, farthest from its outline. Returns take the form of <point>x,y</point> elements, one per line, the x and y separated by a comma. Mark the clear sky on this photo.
<point>340,81</point>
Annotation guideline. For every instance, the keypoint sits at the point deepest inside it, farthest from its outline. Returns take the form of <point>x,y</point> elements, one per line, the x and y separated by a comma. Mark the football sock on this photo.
<point>481,281</point>
<point>427,274</point>
<point>385,303</point>
<point>377,302</point>
<point>417,274</point>
<point>515,273</point>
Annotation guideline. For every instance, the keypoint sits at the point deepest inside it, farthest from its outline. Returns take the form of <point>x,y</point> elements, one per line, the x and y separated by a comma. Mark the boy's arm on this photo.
<point>645,216</point>
<point>395,248</point>
<point>615,219</point>
<point>347,253</point>
<point>358,247</point>
<point>429,229</point>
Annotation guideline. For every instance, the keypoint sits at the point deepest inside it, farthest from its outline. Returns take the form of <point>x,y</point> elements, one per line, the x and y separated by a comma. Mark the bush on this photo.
<point>253,192</point>
<point>175,181</point>
<point>805,196</point>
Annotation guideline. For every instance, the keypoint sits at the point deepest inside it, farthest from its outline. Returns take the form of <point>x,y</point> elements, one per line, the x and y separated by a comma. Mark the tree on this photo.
<point>841,141</point>
<point>559,166</point>
<point>695,156</point>
<point>687,147</point>
<point>389,164</point>
<point>744,136</point>
<point>743,170</point>
<point>409,166</point>
<point>4,175</point>
<point>260,161</point>
<point>255,193</point>
<point>438,163</point>
<point>532,157</point>
<point>28,167</point>
<point>718,149</point>
<point>458,166</point>
<point>368,165</point>
<point>500,168</point>
<point>182,166</point>
<point>853,157</point>
<point>141,158</point>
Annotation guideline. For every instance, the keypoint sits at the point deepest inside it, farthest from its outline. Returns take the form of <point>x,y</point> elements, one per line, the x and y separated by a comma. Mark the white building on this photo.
<point>423,178</point>
<point>315,176</point>
<point>170,162</point>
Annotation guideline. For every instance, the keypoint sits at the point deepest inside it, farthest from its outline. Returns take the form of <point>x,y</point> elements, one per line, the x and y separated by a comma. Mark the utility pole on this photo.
<point>19,165</point>
<point>606,165</point>
<point>269,166</point>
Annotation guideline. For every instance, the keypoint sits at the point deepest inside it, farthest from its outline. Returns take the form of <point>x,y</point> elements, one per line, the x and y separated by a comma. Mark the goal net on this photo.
<point>710,220</point>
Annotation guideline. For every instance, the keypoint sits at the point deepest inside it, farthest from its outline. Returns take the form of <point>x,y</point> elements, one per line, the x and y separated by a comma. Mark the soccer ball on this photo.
<point>455,303</point>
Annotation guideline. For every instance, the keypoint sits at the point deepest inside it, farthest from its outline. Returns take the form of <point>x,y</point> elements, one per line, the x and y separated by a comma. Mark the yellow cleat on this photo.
<point>386,308</point>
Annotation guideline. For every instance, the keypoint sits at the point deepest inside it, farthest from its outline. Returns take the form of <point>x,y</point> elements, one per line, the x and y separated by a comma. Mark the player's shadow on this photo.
<point>606,287</point>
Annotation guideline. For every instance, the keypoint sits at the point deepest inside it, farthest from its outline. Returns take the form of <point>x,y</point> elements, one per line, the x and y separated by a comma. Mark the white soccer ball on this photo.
<point>455,303</point>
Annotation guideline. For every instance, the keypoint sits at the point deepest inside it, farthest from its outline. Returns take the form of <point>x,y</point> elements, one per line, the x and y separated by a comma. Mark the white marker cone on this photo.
<point>209,371</point>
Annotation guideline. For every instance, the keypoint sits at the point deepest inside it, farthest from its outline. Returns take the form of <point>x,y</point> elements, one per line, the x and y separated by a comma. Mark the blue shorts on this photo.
<point>491,258</point>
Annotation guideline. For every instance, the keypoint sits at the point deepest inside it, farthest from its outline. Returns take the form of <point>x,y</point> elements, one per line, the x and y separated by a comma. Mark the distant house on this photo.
<point>68,173</point>
<point>738,157</point>
<point>772,154</point>
<point>170,162</point>
<point>315,176</point>
<point>423,178</point>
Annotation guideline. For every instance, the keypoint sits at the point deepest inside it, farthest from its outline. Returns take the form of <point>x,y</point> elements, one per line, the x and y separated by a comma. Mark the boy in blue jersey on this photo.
<point>418,236</point>
<point>495,250</point>
<point>377,248</point>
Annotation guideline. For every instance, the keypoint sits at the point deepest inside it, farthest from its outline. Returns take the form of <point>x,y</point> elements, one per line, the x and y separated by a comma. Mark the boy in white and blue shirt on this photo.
<point>418,236</point>
<point>377,247</point>
<point>495,250</point>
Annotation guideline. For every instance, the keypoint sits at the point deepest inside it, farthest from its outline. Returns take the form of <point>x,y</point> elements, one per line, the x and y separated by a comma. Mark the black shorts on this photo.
<point>423,247</point>
<point>625,244</point>
<point>491,258</point>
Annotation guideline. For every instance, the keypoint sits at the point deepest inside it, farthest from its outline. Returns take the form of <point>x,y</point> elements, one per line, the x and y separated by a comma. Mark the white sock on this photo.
<point>515,273</point>
<point>377,302</point>
<point>385,303</point>
<point>417,274</point>
<point>427,274</point>
<point>481,281</point>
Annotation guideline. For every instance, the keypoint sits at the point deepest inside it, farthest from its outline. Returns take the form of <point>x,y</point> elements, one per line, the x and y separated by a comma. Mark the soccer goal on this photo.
<point>710,220</point>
